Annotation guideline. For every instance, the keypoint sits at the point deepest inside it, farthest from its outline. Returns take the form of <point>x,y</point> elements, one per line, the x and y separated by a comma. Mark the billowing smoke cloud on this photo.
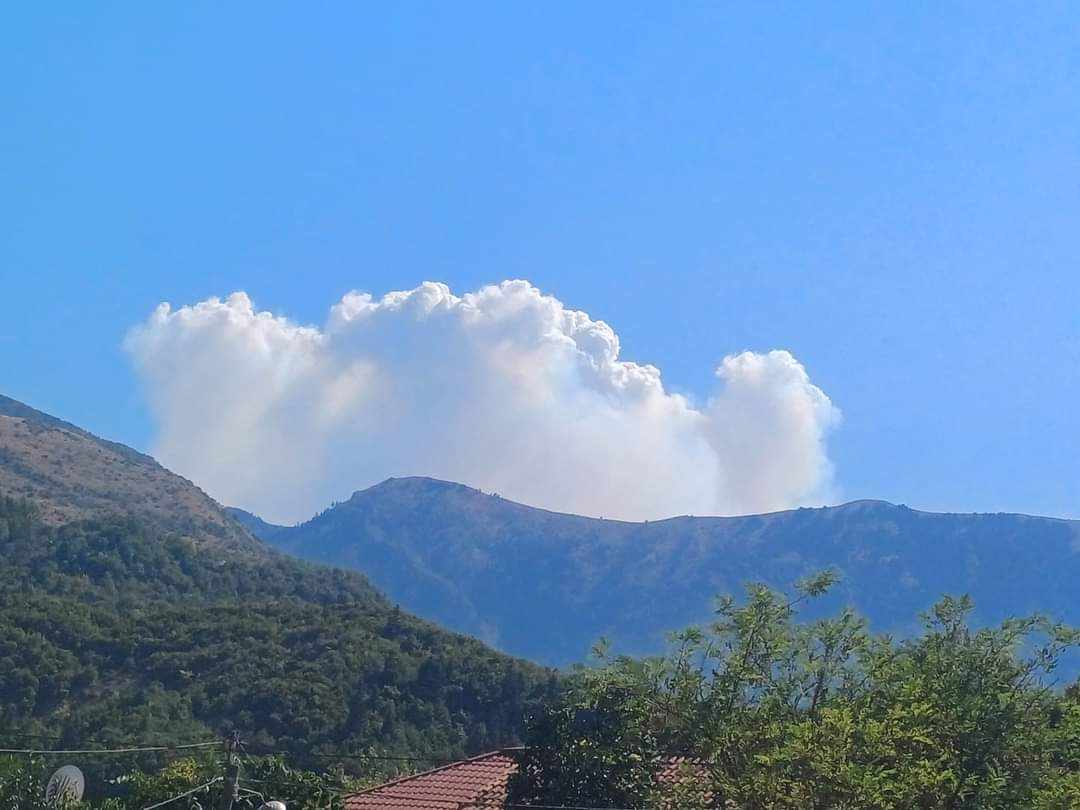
<point>504,389</point>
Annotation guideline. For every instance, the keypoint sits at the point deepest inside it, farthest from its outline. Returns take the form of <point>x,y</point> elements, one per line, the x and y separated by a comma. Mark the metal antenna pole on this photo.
<point>230,790</point>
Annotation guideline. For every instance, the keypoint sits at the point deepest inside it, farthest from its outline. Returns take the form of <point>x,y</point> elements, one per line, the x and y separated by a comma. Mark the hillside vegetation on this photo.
<point>545,585</point>
<point>71,475</point>
<point>108,632</point>
<point>133,606</point>
<point>769,712</point>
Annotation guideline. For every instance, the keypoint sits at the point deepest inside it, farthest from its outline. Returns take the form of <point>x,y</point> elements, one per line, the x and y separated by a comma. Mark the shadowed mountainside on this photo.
<point>546,585</point>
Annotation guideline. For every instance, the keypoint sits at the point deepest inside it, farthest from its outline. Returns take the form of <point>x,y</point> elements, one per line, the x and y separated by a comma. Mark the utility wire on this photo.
<point>141,748</point>
<point>131,750</point>
<point>347,755</point>
<point>84,742</point>
<point>204,786</point>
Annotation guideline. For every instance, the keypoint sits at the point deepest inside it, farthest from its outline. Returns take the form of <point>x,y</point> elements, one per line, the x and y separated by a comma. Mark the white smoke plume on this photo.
<point>504,389</point>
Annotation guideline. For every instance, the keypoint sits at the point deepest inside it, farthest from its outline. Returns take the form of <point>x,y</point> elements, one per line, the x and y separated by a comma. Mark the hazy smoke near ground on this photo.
<point>504,389</point>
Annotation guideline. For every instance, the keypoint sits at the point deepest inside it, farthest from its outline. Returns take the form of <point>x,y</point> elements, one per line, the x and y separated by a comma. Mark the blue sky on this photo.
<point>890,193</point>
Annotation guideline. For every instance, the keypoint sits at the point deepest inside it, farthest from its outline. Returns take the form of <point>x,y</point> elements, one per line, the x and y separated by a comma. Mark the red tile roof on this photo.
<point>471,783</point>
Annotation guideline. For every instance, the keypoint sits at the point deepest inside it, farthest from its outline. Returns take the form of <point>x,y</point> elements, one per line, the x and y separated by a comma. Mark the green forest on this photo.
<point>110,632</point>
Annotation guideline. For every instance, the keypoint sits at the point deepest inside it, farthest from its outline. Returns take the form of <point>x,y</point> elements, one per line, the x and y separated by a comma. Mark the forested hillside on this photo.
<point>110,630</point>
<point>546,585</point>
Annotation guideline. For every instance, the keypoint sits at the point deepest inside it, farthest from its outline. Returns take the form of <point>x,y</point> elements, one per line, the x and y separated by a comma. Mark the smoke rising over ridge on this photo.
<point>504,389</point>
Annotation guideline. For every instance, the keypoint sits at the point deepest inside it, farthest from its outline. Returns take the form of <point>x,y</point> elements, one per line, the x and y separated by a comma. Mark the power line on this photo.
<point>189,793</point>
<point>133,743</point>
<point>135,748</point>
<point>348,755</point>
<point>131,750</point>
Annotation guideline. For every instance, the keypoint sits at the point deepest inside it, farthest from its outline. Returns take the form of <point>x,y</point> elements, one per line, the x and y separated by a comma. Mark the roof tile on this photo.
<point>457,786</point>
<point>471,784</point>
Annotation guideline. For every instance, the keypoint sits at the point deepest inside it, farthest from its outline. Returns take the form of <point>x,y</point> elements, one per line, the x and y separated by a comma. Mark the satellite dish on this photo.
<point>67,784</point>
<point>273,806</point>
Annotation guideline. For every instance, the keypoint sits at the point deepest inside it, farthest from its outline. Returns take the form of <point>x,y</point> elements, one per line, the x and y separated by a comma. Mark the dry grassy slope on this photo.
<point>72,474</point>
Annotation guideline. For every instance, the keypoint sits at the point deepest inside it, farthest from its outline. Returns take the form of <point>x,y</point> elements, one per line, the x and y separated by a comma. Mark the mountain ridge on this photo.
<point>71,474</point>
<point>545,585</point>
<point>856,503</point>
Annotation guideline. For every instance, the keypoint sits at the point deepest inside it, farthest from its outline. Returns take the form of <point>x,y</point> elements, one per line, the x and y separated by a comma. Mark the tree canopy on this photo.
<point>768,712</point>
<point>111,631</point>
<point>197,779</point>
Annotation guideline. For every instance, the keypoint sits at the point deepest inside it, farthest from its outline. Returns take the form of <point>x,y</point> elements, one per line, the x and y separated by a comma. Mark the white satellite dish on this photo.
<point>67,784</point>
<point>273,806</point>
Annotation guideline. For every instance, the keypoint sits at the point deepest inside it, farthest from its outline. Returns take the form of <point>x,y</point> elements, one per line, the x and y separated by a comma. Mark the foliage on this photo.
<point>109,631</point>
<point>774,713</point>
<point>22,785</point>
<point>262,779</point>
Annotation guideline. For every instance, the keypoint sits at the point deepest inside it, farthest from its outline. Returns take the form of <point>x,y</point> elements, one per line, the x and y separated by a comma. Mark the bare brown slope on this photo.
<point>72,474</point>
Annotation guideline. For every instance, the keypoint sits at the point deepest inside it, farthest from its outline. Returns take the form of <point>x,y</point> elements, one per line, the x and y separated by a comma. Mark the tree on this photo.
<point>23,780</point>
<point>271,776</point>
<point>773,713</point>
<point>22,787</point>
<point>110,631</point>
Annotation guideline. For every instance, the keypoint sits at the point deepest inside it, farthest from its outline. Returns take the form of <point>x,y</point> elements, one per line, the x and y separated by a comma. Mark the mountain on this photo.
<point>133,607</point>
<point>71,474</point>
<point>546,586</point>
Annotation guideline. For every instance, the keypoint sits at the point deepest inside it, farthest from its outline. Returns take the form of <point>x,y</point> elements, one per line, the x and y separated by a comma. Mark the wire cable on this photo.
<point>131,750</point>
<point>347,755</point>
<point>213,781</point>
<point>19,736</point>
<point>141,748</point>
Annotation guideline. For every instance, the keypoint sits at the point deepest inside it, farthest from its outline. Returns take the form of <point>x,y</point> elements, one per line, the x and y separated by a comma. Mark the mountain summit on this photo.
<point>547,585</point>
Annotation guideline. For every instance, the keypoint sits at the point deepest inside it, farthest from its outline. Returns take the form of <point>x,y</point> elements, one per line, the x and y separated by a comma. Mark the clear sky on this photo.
<point>889,191</point>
